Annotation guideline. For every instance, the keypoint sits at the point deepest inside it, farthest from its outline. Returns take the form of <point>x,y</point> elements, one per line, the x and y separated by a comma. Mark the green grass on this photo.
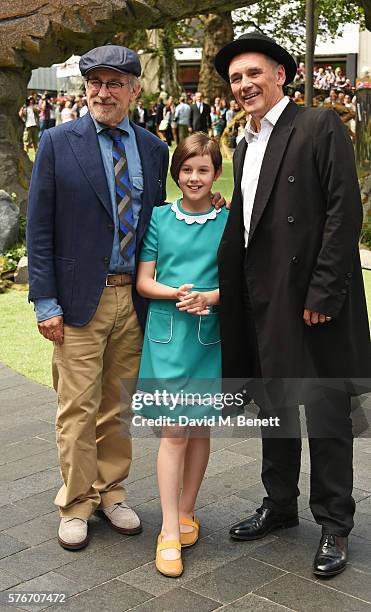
<point>367,282</point>
<point>23,348</point>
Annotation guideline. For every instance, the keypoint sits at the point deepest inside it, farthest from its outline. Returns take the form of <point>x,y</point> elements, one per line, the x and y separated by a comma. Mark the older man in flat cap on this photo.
<point>293,313</point>
<point>94,184</point>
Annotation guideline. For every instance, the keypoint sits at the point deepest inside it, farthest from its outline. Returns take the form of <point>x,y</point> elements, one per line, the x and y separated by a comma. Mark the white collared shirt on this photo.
<point>257,143</point>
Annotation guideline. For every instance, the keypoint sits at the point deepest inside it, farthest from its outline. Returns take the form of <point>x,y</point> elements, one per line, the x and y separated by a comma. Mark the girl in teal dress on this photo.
<point>181,351</point>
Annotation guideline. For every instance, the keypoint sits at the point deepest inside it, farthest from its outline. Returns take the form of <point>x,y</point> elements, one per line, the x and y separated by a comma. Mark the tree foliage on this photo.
<point>286,22</point>
<point>172,35</point>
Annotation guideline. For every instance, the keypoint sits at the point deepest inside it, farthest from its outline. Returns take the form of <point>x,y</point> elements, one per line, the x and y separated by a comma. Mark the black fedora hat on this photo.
<point>255,42</point>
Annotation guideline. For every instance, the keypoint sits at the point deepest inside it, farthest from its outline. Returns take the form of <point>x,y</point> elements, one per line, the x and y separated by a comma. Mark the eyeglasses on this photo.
<point>95,85</point>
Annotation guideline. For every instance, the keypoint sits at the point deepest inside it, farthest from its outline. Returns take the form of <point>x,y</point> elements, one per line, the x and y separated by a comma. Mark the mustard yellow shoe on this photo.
<point>169,567</point>
<point>190,537</point>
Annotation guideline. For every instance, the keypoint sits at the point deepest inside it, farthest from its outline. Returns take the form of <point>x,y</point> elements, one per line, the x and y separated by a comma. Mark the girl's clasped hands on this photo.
<point>194,302</point>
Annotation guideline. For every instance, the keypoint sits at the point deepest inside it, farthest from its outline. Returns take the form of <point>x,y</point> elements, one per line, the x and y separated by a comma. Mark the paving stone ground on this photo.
<point>117,572</point>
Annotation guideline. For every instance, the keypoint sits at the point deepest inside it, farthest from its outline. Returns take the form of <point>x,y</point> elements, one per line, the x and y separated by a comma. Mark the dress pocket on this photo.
<point>208,329</point>
<point>160,327</point>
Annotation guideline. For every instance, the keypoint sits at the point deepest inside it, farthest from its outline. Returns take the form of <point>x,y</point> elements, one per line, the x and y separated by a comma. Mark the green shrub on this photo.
<point>12,256</point>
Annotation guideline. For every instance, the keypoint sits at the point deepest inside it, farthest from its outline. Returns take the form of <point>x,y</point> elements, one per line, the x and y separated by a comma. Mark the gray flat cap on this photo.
<point>114,57</point>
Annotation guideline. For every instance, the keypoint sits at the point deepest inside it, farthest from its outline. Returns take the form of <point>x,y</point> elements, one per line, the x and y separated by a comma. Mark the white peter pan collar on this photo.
<point>191,218</point>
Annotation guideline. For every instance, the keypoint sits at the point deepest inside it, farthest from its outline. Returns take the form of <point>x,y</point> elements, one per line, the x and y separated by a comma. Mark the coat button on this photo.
<point>344,291</point>
<point>290,219</point>
<point>295,260</point>
<point>349,275</point>
<point>291,179</point>
<point>106,260</point>
<point>110,226</point>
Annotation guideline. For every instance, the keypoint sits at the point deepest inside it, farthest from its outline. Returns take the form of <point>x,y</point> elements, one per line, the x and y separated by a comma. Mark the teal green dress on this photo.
<point>181,351</point>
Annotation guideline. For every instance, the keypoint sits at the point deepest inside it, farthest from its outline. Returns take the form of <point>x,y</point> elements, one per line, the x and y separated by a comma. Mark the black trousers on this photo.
<point>329,426</point>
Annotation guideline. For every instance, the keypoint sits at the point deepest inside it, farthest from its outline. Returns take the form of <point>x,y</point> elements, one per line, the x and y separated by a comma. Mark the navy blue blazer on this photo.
<point>70,227</point>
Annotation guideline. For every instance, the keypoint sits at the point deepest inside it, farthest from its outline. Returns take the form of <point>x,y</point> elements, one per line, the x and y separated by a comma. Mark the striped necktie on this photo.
<point>123,196</point>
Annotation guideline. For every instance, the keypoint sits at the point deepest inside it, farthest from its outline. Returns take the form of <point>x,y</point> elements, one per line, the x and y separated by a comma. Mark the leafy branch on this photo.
<point>286,22</point>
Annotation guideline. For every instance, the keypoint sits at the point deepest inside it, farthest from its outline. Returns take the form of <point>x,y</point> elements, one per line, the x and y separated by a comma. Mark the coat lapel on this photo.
<point>231,246</point>
<point>151,180</point>
<point>272,160</point>
<point>234,225</point>
<point>84,143</point>
<point>238,162</point>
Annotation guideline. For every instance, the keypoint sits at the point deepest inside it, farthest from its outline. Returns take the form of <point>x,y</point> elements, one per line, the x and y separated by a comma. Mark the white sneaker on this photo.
<point>122,518</point>
<point>73,533</point>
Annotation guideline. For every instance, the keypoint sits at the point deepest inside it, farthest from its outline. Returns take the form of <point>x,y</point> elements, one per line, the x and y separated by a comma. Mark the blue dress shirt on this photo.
<point>46,308</point>
<point>183,114</point>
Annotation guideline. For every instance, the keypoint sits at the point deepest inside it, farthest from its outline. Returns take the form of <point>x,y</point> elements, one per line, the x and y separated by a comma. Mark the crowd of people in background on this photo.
<point>331,88</point>
<point>173,119</point>
<point>324,78</point>
<point>44,111</point>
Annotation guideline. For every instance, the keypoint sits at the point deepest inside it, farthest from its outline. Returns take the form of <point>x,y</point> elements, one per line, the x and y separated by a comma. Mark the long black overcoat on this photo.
<point>302,253</point>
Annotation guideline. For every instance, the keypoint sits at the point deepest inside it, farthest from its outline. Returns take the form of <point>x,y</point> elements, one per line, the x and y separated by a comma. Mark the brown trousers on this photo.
<point>94,414</point>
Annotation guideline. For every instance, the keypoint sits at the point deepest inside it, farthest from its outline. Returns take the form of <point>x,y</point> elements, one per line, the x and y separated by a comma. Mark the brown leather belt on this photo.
<point>118,280</point>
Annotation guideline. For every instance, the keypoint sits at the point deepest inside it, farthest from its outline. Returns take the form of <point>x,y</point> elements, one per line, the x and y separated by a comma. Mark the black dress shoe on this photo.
<point>331,556</point>
<point>261,523</point>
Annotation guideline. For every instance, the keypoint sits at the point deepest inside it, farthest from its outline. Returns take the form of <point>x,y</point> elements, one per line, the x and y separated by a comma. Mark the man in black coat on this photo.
<point>292,306</point>
<point>200,115</point>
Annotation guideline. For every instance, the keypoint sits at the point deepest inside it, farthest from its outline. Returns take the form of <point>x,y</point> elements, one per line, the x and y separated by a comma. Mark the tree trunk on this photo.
<point>168,63</point>
<point>218,31</point>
